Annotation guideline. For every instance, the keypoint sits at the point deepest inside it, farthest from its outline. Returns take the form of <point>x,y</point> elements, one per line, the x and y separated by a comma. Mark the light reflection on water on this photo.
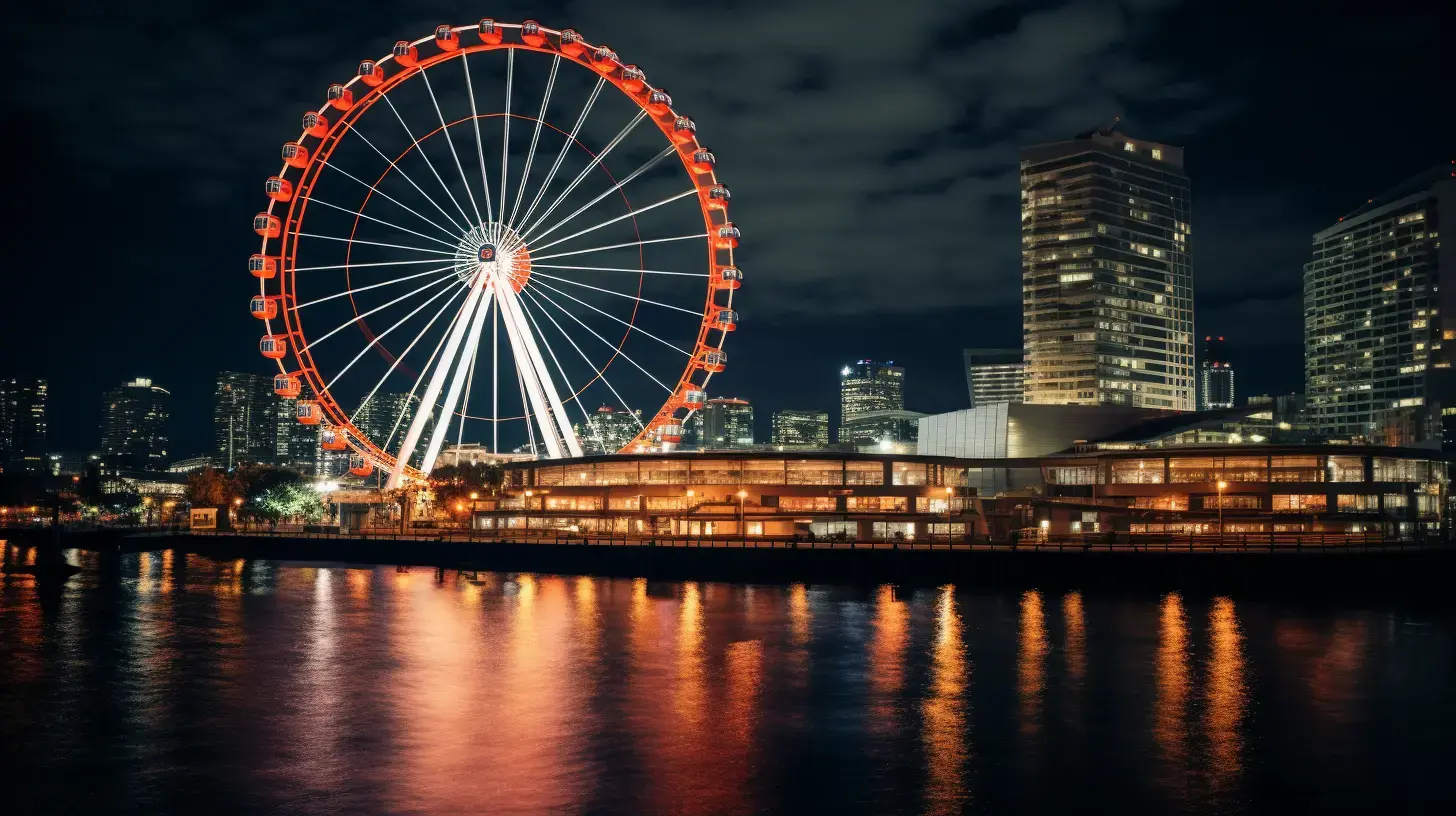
<point>173,682</point>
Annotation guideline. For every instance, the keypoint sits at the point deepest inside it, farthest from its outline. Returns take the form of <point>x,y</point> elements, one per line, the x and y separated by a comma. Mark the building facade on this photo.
<point>244,420</point>
<point>134,423</point>
<point>727,424</point>
<point>23,424</point>
<point>1107,285</point>
<point>885,429</point>
<point>801,429</point>
<point>608,430</point>
<point>389,415</point>
<point>1378,329</point>
<point>995,375</point>
<point>869,386</point>
<point>1215,376</point>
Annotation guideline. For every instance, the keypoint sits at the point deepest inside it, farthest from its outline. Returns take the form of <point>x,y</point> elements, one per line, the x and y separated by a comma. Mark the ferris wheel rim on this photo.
<point>693,377</point>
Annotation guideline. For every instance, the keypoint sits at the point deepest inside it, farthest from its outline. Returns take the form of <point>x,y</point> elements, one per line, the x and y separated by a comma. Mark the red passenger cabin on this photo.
<point>287,385</point>
<point>278,189</point>
<point>447,38</point>
<point>308,412</point>
<point>489,34</point>
<point>263,266</point>
<point>273,346</point>
<point>531,34</point>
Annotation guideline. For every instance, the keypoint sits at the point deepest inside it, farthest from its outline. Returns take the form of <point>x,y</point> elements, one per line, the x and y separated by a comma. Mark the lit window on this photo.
<point>1129,147</point>
<point>1157,154</point>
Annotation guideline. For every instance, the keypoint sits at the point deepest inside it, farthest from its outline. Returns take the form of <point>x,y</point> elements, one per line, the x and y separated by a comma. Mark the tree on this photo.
<point>289,500</point>
<point>210,487</point>
<point>455,483</point>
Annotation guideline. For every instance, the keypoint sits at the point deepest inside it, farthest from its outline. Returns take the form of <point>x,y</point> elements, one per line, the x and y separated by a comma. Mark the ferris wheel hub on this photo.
<point>490,251</point>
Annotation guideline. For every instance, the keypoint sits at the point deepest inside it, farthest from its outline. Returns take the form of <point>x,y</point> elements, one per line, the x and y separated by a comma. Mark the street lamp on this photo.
<point>526,519</point>
<point>1222,485</point>
<point>742,527</point>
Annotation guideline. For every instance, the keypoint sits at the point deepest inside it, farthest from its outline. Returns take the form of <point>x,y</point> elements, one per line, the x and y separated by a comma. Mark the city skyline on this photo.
<point>1254,219</point>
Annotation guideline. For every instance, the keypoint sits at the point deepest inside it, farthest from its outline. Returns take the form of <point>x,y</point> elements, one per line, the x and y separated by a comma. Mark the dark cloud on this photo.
<point>871,148</point>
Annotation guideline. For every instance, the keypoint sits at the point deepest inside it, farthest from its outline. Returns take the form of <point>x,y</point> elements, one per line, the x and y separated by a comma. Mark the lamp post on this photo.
<point>742,527</point>
<point>526,519</point>
<point>1222,485</point>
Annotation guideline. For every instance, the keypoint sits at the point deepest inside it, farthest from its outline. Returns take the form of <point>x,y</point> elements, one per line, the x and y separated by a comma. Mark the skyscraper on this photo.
<point>23,423</point>
<point>1378,325</point>
<point>1215,376</point>
<point>727,423</point>
<point>390,414</point>
<point>1107,289</point>
<point>870,386</point>
<point>134,425</point>
<point>806,429</point>
<point>608,430</point>
<point>995,375</point>
<point>244,420</point>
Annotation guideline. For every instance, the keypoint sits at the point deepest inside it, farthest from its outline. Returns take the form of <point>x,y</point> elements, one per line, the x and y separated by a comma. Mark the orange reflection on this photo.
<point>1226,695</point>
<point>1174,685</point>
<point>1031,665</point>
<point>799,614</point>
<point>887,657</point>
<point>745,662</point>
<point>1076,646</point>
<point>944,712</point>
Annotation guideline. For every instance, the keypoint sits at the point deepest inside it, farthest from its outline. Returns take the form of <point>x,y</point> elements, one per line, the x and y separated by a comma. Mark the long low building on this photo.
<point>1263,488</point>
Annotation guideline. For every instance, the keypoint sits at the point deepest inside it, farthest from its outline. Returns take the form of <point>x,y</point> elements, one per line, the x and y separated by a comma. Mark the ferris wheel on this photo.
<point>448,256</point>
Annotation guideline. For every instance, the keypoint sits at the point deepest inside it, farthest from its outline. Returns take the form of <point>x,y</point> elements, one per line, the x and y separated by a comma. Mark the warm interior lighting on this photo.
<point>742,494</point>
<point>474,495</point>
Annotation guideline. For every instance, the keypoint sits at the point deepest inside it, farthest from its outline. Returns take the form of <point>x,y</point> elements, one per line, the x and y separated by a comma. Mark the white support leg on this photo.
<point>513,311</point>
<point>437,383</point>
<point>524,366</point>
<point>457,384</point>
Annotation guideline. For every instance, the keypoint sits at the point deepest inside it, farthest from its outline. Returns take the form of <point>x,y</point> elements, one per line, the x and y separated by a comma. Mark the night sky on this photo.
<point>871,150</point>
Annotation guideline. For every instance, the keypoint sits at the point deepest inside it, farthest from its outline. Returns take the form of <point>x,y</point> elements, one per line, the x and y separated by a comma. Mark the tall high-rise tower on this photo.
<point>1107,286</point>
<point>1215,375</point>
<point>23,423</point>
<point>868,386</point>
<point>244,420</point>
<point>134,425</point>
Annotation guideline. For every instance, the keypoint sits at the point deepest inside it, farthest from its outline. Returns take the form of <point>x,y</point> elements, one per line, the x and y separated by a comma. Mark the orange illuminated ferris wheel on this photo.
<point>452,254</point>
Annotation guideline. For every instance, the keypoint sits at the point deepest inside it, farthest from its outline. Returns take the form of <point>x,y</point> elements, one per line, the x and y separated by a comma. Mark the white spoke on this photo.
<point>354,416</point>
<point>525,412</point>
<point>361,214</point>
<point>451,142</point>
<point>617,319</point>
<point>575,396</point>
<point>555,424</point>
<point>591,165</point>
<point>449,329</point>
<point>495,382</point>
<point>506,125</point>
<point>374,243</point>
<point>479,150</point>
<point>381,335</point>
<point>601,372</point>
<point>535,265</point>
<point>692,312</point>
<point>618,246</point>
<point>535,137</point>
<point>405,176</point>
<point>457,384</point>
<point>357,318</point>
<point>389,197</point>
<point>606,341</point>
<point>610,221</point>
<point>465,406</point>
<point>566,145</point>
<point>421,150</point>
<point>667,151</point>
<point>348,292</point>
<point>361,265</point>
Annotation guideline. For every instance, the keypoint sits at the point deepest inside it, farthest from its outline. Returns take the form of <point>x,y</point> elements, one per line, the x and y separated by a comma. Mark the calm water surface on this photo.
<point>171,683</point>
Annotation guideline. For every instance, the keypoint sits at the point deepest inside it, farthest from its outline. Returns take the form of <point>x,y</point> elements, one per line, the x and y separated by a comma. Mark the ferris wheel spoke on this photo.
<point>566,145</point>
<point>613,317</point>
<point>626,215</point>
<point>406,177</point>
<point>535,265</point>
<point>648,165</point>
<point>618,294</point>
<point>377,309</point>
<point>535,137</point>
<point>530,429</point>
<point>373,243</point>
<point>576,394</point>
<point>389,197</point>
<point>617,246</point>
<point>614,347</point>
<point>361,265</point>
<point>457,384</point>
<point>361,214</point>
<point>421,150</point>
<point>372,343</point>
<point>429,364</point>
<point>389,282</point>
<point>596,160</point>
<point>451,142</point>
<point>550,413</point>
<point>397,358</point>
<point>479,149</point>
<point>506,127</point>
<point>600,371</point>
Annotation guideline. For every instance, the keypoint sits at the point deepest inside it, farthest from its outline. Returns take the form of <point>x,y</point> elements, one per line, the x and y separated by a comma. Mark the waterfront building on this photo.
<point>1215,376</point>
<point>72,463</point>
<point>1107,282</point>
<point>190,464</point>
<point>995,375</point>
<point>134,426</point>
<point>608,430</point>
<point>800,429</point>
<point>244,420</point>
<point>882,430</point>
<point>727,423</point>
<point>23,423</point>
<point>1379,326</point>
<point>869,386</point>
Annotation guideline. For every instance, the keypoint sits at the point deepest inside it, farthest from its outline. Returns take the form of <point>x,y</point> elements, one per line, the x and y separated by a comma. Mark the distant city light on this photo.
<point>844,372</point>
